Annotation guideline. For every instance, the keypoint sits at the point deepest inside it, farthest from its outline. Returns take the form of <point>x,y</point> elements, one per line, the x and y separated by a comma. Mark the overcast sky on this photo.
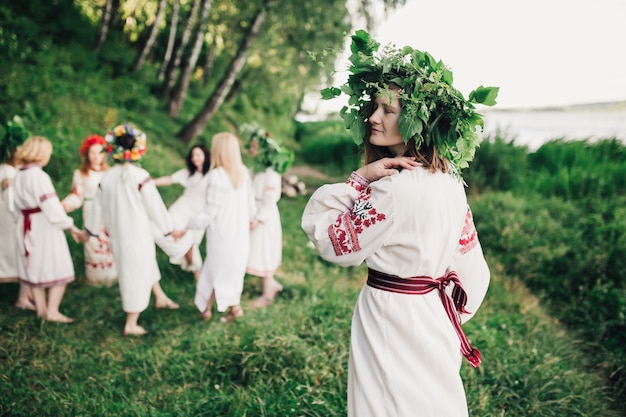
<point>539,52</point>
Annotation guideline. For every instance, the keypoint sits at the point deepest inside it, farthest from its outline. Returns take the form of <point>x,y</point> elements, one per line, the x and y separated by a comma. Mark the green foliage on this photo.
<point>433,111</point>
<point>328,144</point>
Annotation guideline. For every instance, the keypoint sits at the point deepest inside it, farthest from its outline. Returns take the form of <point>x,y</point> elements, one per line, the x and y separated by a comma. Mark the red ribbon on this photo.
<point>423,285</point>
<point>27,224</point>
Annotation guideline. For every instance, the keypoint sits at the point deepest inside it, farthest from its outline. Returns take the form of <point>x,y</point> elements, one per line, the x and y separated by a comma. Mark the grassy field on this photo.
<point>287,360</point>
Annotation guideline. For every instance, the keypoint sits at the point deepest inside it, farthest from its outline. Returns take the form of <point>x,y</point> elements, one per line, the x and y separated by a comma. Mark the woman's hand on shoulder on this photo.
<point>385,167</point>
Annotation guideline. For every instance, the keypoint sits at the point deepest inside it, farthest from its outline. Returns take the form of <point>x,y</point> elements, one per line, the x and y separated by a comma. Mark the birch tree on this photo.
<point>177,97</point>
<point>170,40</point>
<point>214,102</point>
<point>147,47</point>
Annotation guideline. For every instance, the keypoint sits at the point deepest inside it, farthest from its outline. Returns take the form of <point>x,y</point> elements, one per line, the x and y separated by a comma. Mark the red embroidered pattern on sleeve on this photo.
<point>469,237</point>
<point>44,197</point>
<point>357,182</point>
<point>344,233</point>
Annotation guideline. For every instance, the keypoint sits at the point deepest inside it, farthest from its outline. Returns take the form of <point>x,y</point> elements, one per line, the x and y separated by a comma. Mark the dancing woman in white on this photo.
<point>127,204</point>
<point>193,179</point>
<point>405,214</point>
<point>99,264</point>
<point>44,261</point>
<point>226,216</point>
<point>14,136</point>
<point>266,236</point>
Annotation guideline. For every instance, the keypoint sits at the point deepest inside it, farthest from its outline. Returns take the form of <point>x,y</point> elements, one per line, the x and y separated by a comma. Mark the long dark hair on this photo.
<point>207,159</point>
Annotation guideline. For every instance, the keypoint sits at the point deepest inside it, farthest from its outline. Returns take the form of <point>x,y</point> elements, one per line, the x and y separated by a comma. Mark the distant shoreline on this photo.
<point>607,106</point>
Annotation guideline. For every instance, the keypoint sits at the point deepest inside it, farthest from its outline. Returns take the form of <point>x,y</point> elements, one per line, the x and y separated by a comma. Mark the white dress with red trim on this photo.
<point>187,205</point>
<point>43,255</point>
<point>266,239</point>
<point>99,264</point>
<point>128,204</point>
<point>8,219</point>
<point>226,218</point>
<point>405,352</point>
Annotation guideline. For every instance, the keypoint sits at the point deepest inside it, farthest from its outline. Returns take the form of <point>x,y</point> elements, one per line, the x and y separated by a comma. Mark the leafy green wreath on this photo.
<point>433,111</point>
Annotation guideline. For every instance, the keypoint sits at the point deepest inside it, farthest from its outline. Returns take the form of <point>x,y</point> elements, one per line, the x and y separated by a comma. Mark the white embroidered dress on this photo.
<point>405,354</point>
<point>226,217</point>
<point>43,255</point>
<point>8,217</point>
<point>266,239</point>
<point>186,206</point>
<point>128,204</point>
<point>99,264</point>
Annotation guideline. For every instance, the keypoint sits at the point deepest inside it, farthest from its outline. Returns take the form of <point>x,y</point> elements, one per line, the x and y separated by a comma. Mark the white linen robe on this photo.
<point>8,219</point>
<point>43,255</point>
<point>127,204</point>
<point>187,205</point>
<point>226,217</point>
<point>404,354</point>
<point>99,264</point>
<point>266,239</point>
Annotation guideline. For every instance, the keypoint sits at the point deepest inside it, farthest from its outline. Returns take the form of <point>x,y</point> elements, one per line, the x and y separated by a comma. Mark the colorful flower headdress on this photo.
<point>117,151</point>
<point>15,134</point>
<point>271,153</point>
<point>433,111</point>
<point>89,142</point>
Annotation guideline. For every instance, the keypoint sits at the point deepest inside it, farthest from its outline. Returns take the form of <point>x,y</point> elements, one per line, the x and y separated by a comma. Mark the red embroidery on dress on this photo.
<point>469,236</point>
<point>344,234</point>
<point>44,197</point>
<point>357,182</point>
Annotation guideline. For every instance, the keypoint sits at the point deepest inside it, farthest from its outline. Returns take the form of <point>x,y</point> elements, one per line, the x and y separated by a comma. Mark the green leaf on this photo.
<point>484,95</point>
<point>330,93</point>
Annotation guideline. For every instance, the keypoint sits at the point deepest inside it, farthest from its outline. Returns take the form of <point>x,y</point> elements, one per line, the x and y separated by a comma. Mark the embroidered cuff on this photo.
<point>357,182</point>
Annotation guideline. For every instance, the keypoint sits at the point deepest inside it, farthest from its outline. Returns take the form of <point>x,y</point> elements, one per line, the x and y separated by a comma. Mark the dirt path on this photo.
<point>305,171</point>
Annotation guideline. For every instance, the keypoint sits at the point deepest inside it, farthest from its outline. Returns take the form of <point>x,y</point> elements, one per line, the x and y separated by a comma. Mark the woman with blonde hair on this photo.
<point>43,256</point>
<point>99,264</point>
<point>226,217</point>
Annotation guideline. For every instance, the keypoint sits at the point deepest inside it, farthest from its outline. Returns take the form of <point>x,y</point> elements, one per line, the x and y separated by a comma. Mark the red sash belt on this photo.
<point>423,285</point>
<point>27,224</point>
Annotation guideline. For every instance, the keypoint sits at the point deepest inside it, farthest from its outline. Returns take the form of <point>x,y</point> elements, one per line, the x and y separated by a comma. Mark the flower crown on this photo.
<point>433,111</point>
<point>117,151</point>
<point>89,142</point>
<point>271,153</point>
<point>15,134</point>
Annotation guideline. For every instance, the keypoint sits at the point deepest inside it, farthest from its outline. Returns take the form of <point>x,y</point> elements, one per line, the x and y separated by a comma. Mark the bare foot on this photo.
<point>233,314</point>
<point>59,318</point>
<point>261,302</point>
<point>134,331</point>
<point>206,315</point>
<point>167,303</point>
<point>25,305</point>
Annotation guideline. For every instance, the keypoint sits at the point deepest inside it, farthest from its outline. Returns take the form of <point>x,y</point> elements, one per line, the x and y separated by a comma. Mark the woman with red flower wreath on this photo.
<point>99,264</point>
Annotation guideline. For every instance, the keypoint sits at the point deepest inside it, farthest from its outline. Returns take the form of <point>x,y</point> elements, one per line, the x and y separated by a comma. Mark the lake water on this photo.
<point>533,128</point>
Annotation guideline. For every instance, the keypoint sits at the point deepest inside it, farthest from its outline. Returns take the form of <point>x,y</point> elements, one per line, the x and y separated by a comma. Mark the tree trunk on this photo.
<point>172,68</point>
<point>180,92</point>
<point>214,102</point>
<point>143,53</point>
<point>105,22</point>
<point>170,41</point>
<point>207,68</point>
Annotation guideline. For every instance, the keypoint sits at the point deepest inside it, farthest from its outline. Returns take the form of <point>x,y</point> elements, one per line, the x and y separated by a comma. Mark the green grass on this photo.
<point>287,360</point>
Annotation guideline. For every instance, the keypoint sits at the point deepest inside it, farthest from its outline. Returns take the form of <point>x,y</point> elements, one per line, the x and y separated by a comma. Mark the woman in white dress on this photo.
<point>226,216</point>
<point>44,261</point>
<point>127,204</point>
<point>193,179</point>
<point>99,264</point>
<point>266,236</point>
<point>14,136</point>
<point>405,214</point>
